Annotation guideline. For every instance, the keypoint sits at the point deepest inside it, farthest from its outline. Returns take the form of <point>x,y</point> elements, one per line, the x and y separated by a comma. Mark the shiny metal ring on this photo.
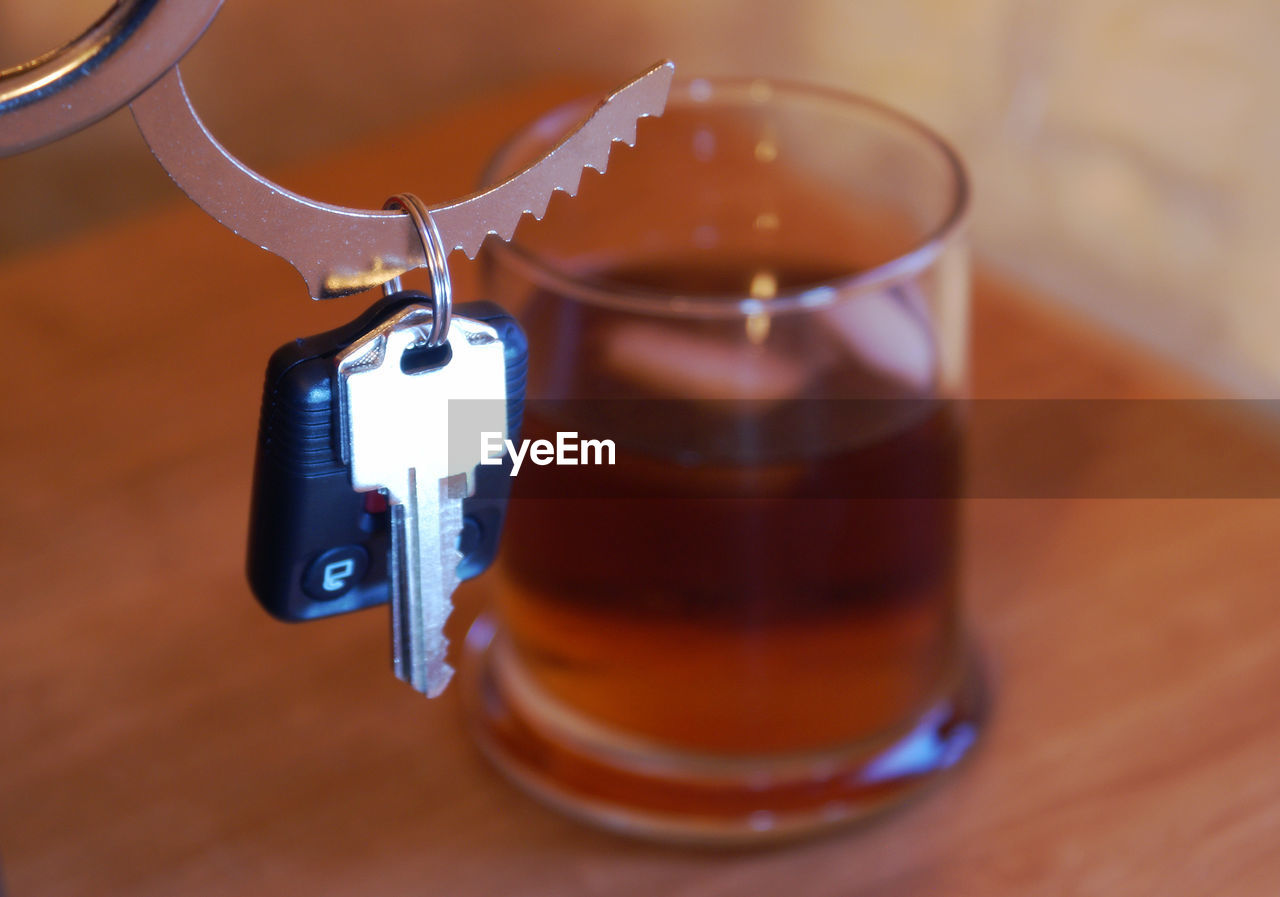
<point>437,265</point>
<point>119,57</point>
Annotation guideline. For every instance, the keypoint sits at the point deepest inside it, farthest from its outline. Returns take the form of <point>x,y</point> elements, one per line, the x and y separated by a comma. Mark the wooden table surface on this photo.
<point>160,735</point>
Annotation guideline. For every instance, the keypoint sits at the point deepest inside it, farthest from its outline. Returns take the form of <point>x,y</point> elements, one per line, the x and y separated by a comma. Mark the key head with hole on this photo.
<point>406,405</point>
<point>317,547</point>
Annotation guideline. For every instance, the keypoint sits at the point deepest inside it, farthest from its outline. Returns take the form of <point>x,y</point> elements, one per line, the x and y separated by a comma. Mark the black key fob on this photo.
<point>316,546</point>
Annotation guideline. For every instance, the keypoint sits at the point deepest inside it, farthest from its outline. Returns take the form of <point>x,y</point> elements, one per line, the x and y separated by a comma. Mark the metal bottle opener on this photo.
<point>130,56</point>
<point>340,250</point>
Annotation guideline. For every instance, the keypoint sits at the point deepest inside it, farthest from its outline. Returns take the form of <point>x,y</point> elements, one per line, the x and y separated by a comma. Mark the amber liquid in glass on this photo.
<point>753,602</point>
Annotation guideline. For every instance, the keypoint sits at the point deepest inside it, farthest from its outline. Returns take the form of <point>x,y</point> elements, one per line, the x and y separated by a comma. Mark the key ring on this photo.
<point>437,265</point>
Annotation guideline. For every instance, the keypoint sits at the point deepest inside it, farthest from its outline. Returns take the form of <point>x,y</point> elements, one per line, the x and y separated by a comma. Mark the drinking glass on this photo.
<point>746,627</point>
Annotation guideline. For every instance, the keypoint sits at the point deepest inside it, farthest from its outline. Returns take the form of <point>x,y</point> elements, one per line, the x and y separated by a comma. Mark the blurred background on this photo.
<point>1122,150</point>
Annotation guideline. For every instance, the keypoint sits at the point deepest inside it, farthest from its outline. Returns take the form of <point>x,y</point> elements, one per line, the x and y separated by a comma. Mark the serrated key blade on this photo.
<point>464,224</point>
<point>424,558</point>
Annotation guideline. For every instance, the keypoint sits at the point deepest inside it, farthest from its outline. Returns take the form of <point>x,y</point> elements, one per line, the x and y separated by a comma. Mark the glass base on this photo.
<point>640,789</point>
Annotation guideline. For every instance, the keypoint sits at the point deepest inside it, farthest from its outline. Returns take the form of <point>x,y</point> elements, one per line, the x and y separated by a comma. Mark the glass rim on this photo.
<point>625,297</point>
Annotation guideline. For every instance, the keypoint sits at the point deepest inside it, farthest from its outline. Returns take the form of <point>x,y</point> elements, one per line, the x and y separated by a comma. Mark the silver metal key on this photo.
<point>415,434</point>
